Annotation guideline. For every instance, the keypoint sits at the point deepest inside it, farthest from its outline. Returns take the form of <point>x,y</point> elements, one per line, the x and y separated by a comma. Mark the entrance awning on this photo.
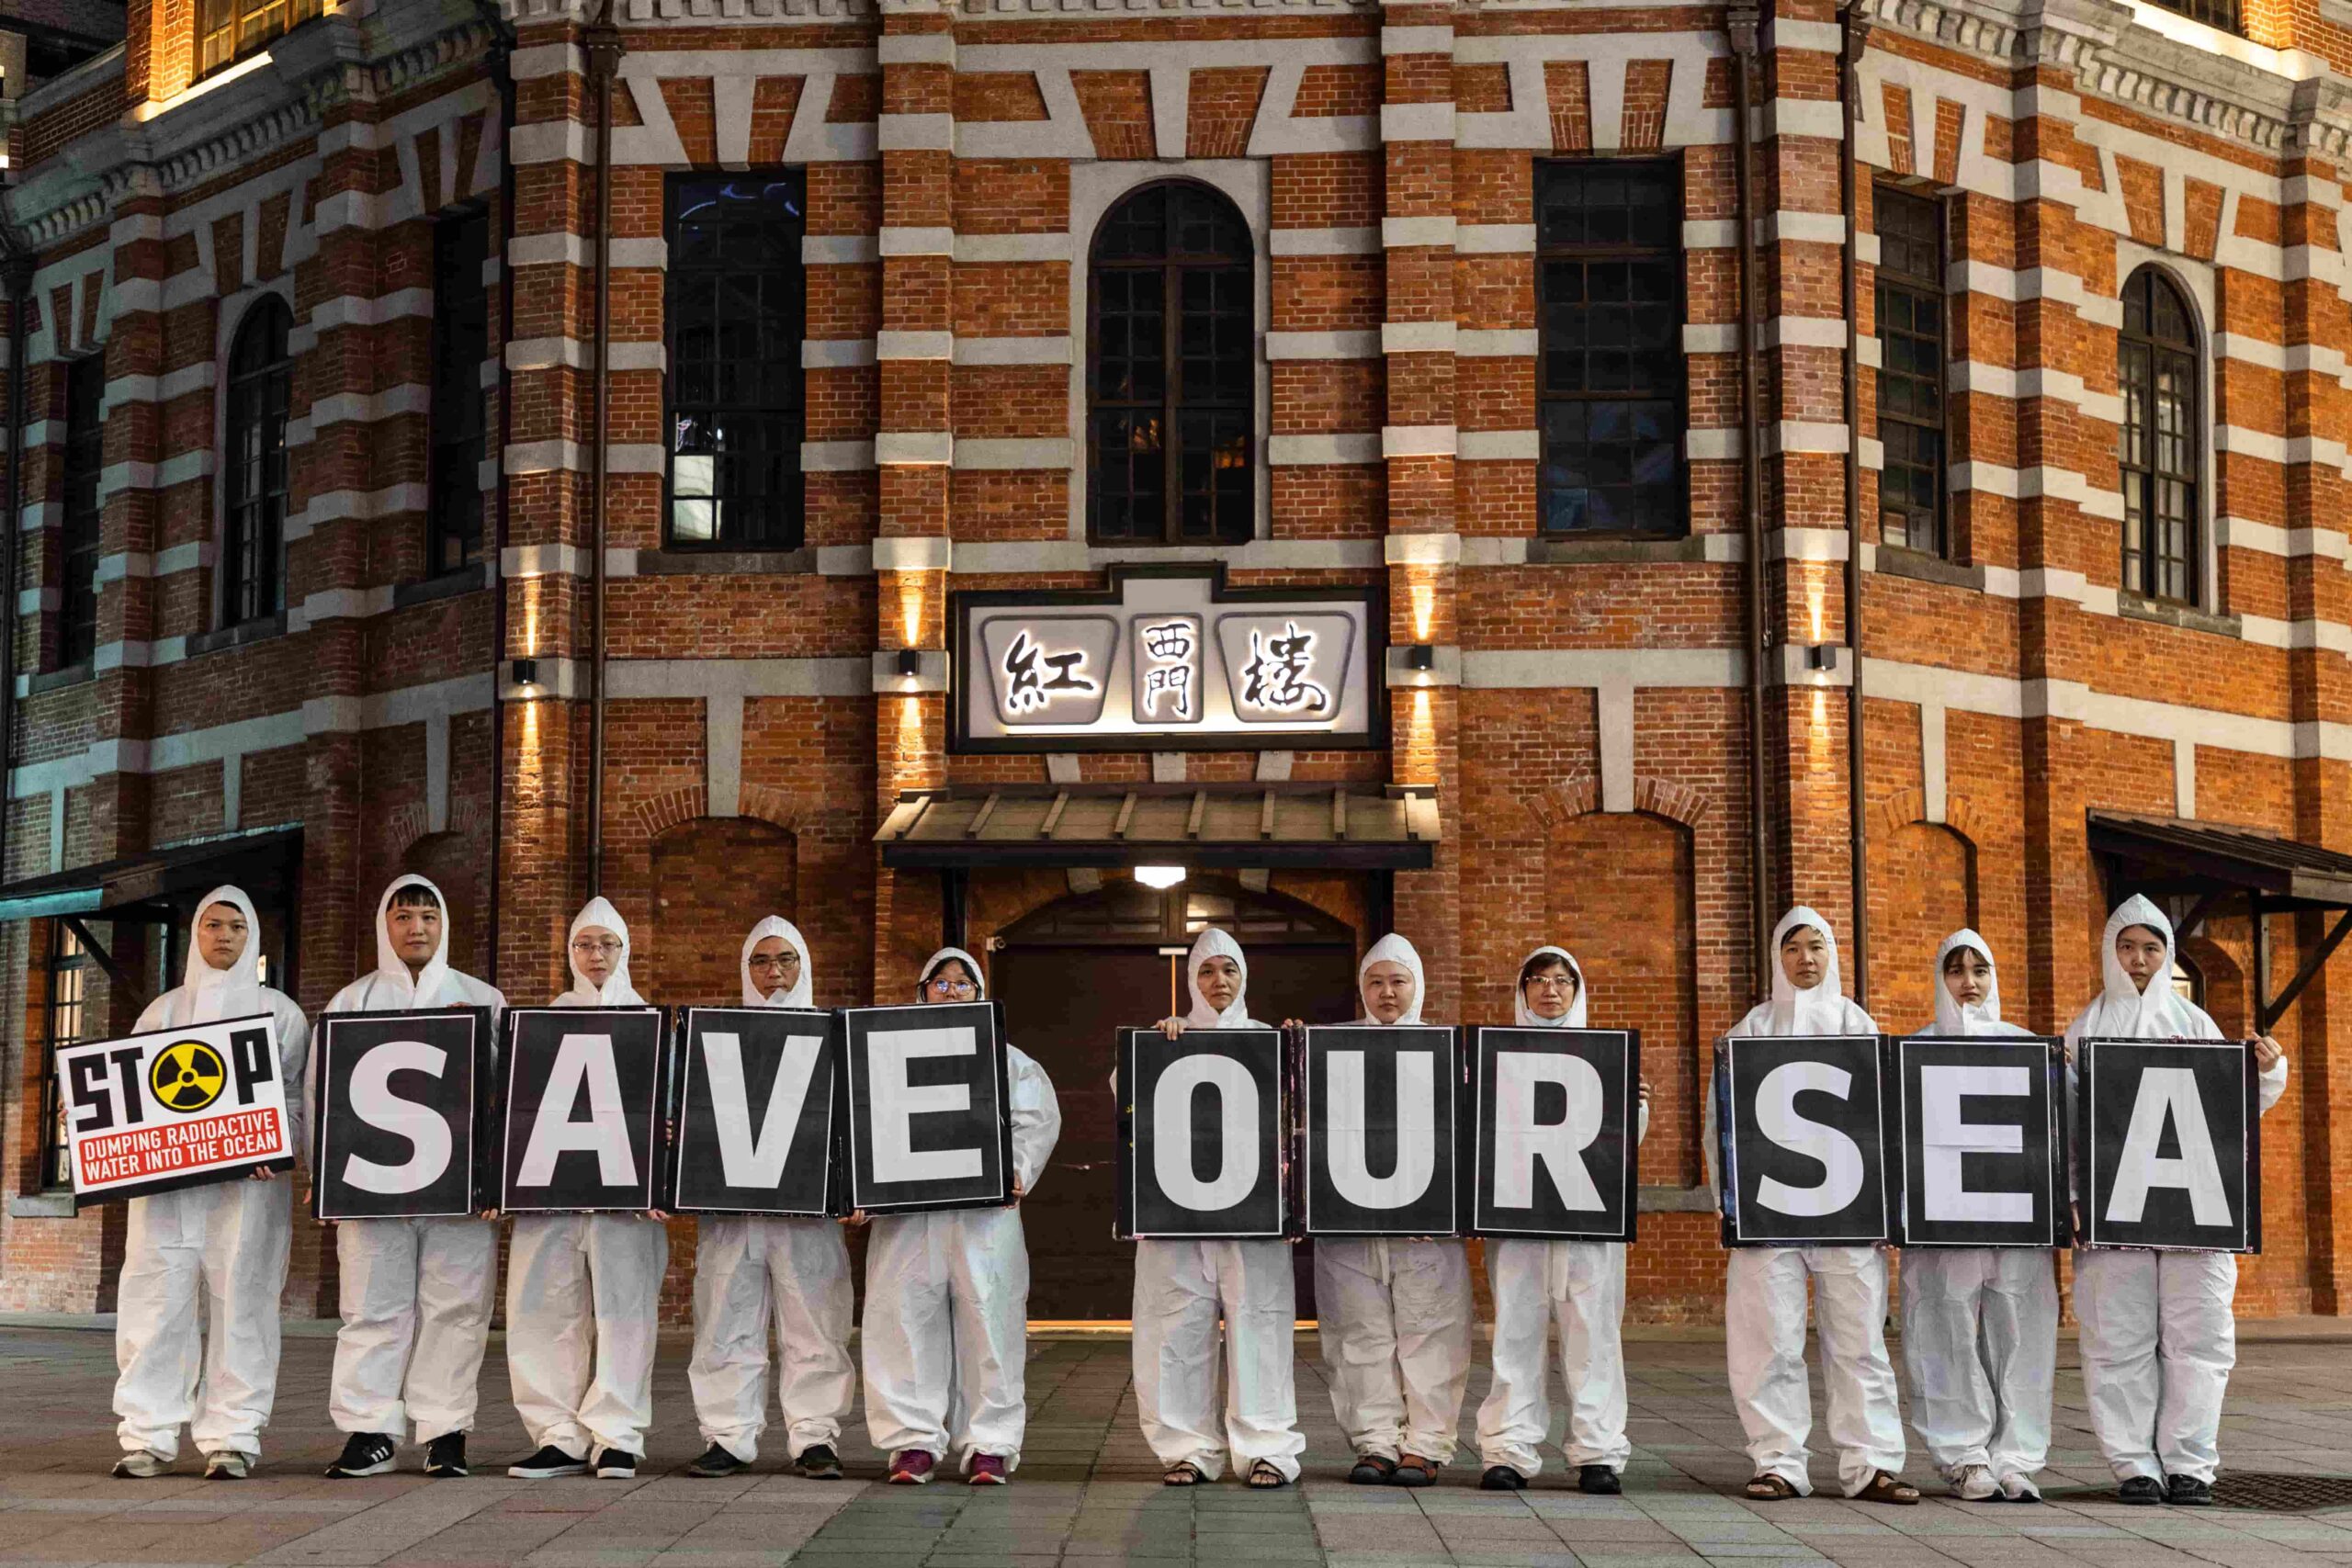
<point>2209,862</point>
<point>142,886</point>
<point>1286,826</point>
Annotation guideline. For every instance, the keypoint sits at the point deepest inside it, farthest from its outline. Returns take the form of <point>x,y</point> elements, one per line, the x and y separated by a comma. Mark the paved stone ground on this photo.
<point>1088,1493</point>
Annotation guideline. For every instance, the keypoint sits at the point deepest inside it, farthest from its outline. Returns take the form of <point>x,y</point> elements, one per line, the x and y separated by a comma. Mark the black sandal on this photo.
<point>1768,1489</point>
<point>1184,1472</point>
<point>1264,1477</point>
<point>1886,1488</point>
<point>1371,1470</point>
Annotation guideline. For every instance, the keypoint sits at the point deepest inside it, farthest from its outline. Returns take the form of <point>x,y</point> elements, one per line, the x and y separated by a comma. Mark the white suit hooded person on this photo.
<point>417,1293</point>
<point>947,1331</point>
<point>1980,1324</point>
<point>750,1270</point>
<point>1580,1286</point>
<point>1182,1290</point>
<point>1395,1312</point>
<point>225,1242</point>
<point>584,1290</point>
<point>2159,1329</point>
<point>1764,1291</point>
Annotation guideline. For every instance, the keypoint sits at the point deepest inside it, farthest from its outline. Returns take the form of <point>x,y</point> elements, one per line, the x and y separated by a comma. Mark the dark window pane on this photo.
<point>735,295</point>
<point>1609,290</point>
<point>261,382</point>
<point>459,414</point>
<point>2158,457</point>
<point>1911,370</point>
<point>1172,374</point>
<point>85,385</point>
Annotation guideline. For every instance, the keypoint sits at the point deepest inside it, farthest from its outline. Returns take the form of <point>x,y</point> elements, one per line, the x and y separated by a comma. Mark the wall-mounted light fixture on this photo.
<point>910,662</point>
<point>1822,656</point>
<point>526,672</point>
<point>1420,656</point>
<point>1159,877</point>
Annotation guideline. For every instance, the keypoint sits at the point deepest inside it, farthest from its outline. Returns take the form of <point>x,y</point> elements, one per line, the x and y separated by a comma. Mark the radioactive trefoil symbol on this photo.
<point>187,1077</point>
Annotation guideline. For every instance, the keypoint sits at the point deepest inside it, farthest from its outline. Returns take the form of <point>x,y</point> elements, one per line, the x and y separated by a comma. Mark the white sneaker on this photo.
<point>141,1464</point>
<point>2020,1489</point>
<point>1975,1483</point>
<point>227,1464</point>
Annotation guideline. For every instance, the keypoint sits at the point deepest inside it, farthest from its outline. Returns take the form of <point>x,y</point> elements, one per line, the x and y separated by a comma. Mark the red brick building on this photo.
<point>1416,333</point>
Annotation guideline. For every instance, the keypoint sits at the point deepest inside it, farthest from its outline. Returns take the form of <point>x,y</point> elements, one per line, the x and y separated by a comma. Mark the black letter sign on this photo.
<point>400,1097</point>
<point>584,1108</point>
<point>1556,1123</point>
<point>1204,1121</point>
<point>2171,1137</point>
<point>1380,1131</point>
<point>1802,1148</point>
<point>930,1123</point>
<point>1984,1150</point>
<point>755,1111</point>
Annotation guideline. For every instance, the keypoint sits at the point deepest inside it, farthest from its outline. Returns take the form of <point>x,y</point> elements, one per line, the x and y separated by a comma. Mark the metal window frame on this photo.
<point>2189,354</point>
<point>2220,13</point>
<point>54,963</point>
<point>672,183</point>
<point>1171,499</point>
<point>1918,287</point>
<point>1677,257</point>
<point>265,510</point>
<point>438,532</point>
<point>79,531</point>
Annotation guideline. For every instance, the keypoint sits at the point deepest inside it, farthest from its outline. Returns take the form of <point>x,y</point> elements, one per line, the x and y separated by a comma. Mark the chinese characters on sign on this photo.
<point>1167,655</point>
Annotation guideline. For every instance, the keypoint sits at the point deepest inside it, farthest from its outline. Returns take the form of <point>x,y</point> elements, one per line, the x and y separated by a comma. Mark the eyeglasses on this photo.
<point>1554,983</point>
<point>779,961</point>
<point>608,947</point>
<point>954,988</point>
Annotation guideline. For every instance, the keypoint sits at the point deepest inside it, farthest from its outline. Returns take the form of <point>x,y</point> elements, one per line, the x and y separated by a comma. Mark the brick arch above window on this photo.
<point>1905,807</point>
<point>1580,794</point>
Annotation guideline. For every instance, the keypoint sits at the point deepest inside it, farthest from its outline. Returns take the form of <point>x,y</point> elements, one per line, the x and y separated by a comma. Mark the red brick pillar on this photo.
<point>915,448</point>
<point>1417,445</point>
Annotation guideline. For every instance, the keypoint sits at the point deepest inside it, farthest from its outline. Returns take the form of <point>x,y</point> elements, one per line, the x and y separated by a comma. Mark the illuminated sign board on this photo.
<point>1168,658</point>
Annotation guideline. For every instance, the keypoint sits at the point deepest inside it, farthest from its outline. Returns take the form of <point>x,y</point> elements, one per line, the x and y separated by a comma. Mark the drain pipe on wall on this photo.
<point>1739,22</point>
<point>1855,38</point>
<point>602,43</point>
<point>494,569</point>
<point>19,280</point>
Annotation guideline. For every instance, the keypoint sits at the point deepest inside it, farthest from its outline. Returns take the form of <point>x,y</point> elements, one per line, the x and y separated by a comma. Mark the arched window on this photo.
<point>2156,366</point>
<point>1171,376</point>
<point>261,382</point>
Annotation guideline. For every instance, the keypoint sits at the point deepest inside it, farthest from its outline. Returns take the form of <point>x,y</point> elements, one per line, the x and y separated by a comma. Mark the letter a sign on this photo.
<point>1803,1147</point>
<point>1203,1121</point>
<point>755,1130</point>
<point>402,1102</point>
<point>1557,1124</point>
<point>583,1109</point>
<point>1381,1123</point>
<point>2170,1145</point>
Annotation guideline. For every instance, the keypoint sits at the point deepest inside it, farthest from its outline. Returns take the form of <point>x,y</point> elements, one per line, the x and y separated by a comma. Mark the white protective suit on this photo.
<point>226,1241</point>
<point>1764,1289</point>
<point>416,1294</point>
<point>584,1291</point>
<point>1396,1313</point>
<point>1580,1286</point>
<point>947,1332</point>
<point>2159,1329</point>
<point>1980,1324</point>
<point>1183,1287</point>
<point>750,1270</point>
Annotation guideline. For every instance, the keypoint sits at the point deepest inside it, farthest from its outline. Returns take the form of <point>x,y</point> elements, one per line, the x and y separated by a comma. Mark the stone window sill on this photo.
<point>467,579</point>
<point>42,1206</point>
<point>726,563</point>
<point>1894,560</point>
<point>1559,551</point>
<point>2135,607</point>
<point>237,636</point>
<point>55,680</point>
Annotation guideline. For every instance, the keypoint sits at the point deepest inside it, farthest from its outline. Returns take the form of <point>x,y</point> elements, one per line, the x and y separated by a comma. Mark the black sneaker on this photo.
<point>615,1465</point>
<point>2187,1492</point>
<point>818,1463</point>
<point>716,1461</point>
<point>1599,1480</point>
<point>445,1456</point>
<point>547,1463</point>
<point>1501,1478</point>
<point>2145,1491</point>
<point>364,1454</point>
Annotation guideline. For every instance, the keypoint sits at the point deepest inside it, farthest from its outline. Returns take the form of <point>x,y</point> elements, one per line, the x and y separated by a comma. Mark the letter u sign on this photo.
<point>1380,1145</point>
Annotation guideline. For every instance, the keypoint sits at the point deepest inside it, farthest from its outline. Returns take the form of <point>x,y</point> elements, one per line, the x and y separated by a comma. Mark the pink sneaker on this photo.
<point>911,1467</point>
<point>987,1470</point>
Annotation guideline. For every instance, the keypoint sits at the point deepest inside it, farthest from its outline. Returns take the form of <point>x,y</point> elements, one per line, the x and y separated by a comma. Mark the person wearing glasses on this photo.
<point>584,1290</point>
<point>751,1267</point>
<point>946,1335</point>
